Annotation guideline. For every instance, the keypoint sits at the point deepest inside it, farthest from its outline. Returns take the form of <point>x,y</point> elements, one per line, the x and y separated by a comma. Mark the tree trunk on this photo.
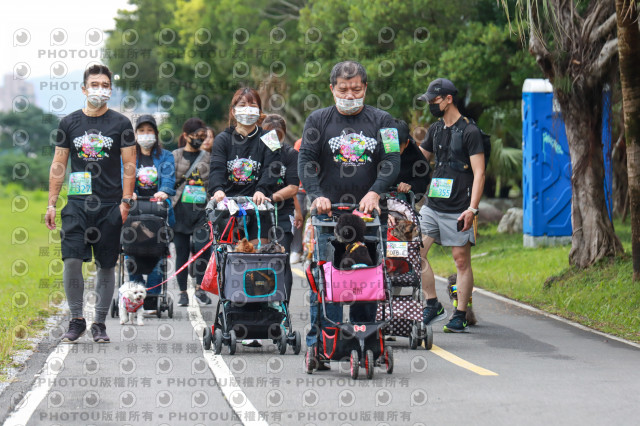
<point>629,51</point>
<point>593,234</point>
<point>620,175</point>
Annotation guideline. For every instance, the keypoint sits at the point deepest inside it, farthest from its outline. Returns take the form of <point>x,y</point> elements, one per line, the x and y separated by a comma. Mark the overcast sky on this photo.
<point>36,34</point>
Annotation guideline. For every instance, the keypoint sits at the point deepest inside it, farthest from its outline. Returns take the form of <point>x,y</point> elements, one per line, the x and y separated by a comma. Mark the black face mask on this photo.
<point>196,143</point>
<point>435,110</point>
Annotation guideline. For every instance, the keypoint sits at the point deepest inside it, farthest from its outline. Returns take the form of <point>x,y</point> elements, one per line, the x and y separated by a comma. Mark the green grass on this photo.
<point>602,297</point>
<point>27,296</point>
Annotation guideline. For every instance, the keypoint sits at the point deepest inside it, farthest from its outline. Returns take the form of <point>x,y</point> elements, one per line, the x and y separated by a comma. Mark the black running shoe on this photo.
<point>184,299</point>
<point>457,324</point>
<point>99,333</point>
<point>201,297</point>
<point>433,313</point>
<point>77,327</point>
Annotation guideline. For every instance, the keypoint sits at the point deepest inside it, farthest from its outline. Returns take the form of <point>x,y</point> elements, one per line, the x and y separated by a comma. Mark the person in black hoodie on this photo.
<point>241,162</point>
<point>414,167</point>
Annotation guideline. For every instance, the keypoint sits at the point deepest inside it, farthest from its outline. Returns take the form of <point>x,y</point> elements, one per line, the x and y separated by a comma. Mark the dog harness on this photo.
<point>351,247</point>
<point>130,306</point>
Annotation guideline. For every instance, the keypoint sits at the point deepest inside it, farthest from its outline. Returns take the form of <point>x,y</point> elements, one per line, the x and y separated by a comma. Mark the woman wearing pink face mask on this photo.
<point>242,164</point>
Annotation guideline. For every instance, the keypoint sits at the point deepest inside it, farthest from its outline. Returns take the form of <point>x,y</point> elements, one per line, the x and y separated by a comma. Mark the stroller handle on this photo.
<point>343,207</point>
<point>151,199</point>
<point>212,204</point>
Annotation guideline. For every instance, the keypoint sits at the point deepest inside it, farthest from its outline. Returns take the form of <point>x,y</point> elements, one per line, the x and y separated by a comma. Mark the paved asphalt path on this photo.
<point>515,367</point>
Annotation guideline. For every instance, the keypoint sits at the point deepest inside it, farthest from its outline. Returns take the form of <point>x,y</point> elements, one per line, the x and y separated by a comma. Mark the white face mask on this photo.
<point>146,141</point>
<point>98,96</point>
<point>349,106</point>
<point>246,115</point>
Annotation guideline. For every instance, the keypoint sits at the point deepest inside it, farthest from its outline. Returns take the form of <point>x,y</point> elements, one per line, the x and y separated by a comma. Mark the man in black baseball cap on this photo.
<point>447,218</point>
<point>439,87</point>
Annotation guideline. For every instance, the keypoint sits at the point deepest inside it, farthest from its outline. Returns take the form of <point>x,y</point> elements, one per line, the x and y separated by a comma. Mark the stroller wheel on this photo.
<point>206,338</point>
<point>232,342</point>
<point>114,308</point>
<point>160,307</point>
<point>414,340</point>
<point>369,364</point>
<point>428,341</point>
<point>297,344</point>
<point>217,341</point>
<point>170,307</point>
<point>354,364</point>
<point>388,358</point>
<point>282,343</point>
<point>310,362</point>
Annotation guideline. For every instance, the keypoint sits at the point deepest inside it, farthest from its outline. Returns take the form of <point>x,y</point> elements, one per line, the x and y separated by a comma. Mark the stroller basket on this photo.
<point>145,236</point>
<point>263,323</point>
<point>255,277</point>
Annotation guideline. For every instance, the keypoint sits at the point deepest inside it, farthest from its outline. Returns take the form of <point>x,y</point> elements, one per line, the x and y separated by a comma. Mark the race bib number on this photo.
<point>390,139</point>
<point>440,188</point>
<point>271,140</point>
<point>80,183</point>
<point>397,249</point>
<point>193,194</point>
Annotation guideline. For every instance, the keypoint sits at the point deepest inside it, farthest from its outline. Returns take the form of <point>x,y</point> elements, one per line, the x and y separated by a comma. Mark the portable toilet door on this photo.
<point>546,167</point>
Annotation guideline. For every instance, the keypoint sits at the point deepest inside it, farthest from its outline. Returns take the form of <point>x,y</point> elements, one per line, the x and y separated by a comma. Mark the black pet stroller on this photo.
<point>403,265</point>
<point>144,241</point>
<point>254,288</point>
<point>360,343</point>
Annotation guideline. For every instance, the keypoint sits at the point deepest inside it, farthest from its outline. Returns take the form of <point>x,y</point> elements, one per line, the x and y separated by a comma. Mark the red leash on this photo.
<point>185,265</point>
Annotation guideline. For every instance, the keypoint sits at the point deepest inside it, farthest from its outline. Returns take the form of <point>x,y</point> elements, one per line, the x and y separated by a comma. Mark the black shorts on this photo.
<point>87,226</point>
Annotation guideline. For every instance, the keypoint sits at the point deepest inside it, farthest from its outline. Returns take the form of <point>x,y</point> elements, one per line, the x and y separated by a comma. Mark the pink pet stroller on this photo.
<point>361,343</point>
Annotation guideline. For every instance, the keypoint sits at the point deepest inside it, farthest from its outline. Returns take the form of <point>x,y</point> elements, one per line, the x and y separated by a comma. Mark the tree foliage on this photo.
<point>195,54</point>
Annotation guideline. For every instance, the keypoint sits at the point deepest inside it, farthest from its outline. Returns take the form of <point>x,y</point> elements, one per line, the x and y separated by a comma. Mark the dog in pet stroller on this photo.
<point>403,266</point>
<point>359,342</point>
<point>253,288</point>
<point>144,249</point>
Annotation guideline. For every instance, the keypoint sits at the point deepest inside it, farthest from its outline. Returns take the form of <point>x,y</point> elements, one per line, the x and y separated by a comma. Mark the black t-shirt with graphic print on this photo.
<point>94,145</point>
<point>288,176</point>
<point>460,197</point>
<point>146,176</point>
<point>190,215</point>
<point>242,165</point>
<point>349,151</point>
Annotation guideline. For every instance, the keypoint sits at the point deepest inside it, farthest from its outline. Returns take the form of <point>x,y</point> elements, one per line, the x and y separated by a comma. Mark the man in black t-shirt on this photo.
<point>447,218</point>
<point>345,158</point>
<point>96,140</point>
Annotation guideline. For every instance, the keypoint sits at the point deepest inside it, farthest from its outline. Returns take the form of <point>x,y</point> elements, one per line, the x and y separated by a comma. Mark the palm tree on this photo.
<point>629,51</point>
<point>574,44</point>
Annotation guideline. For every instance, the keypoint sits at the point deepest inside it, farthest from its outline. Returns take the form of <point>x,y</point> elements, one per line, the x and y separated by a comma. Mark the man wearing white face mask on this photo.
<point>95,138</point>
<point>344,158</point>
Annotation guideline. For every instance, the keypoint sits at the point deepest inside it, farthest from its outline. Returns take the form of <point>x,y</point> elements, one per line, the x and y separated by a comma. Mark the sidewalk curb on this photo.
<point>547,314</point>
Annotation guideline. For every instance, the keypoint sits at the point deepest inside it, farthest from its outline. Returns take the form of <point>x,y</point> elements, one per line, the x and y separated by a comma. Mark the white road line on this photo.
<point>41,386</point>
<point>548,315</point>
<point>45,379</point>
<point>234,395</point>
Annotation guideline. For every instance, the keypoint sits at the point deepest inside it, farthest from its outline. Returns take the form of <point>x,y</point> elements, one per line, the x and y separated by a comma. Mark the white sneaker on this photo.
<point>252,343</point>
<point>295,257</point>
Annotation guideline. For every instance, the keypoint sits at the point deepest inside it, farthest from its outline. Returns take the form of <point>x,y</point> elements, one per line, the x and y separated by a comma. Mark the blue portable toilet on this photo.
<point>546,168</point>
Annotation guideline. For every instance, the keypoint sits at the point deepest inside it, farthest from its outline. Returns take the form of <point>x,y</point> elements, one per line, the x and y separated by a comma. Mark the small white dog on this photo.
<point>131,297</point>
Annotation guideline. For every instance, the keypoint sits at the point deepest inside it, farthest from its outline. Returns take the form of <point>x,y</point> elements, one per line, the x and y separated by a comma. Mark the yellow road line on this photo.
<point>461,362</point>
<point>439,351</point>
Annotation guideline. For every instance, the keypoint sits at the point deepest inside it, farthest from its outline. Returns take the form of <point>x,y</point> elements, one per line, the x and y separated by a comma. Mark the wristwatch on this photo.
<point>474,211</point>
<point>128,201</point>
